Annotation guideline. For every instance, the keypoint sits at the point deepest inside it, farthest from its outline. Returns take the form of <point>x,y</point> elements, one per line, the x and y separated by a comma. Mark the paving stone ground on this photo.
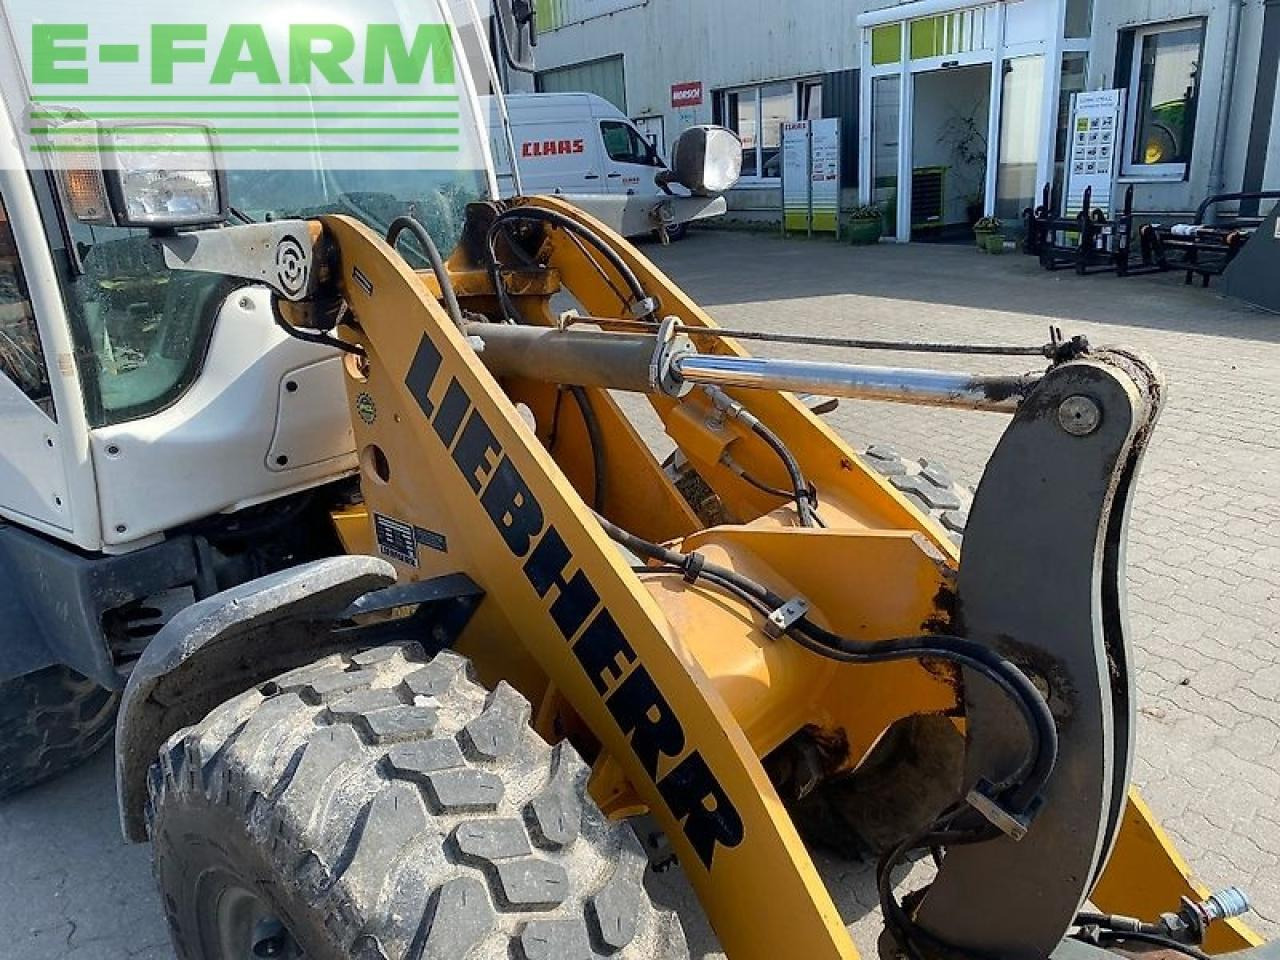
<point>1204,563</point>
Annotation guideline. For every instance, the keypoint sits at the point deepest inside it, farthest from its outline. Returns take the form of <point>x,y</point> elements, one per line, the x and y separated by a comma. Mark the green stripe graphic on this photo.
<point>250,131</point>
<point>227,98</point>
<point>207,115</point>
<point>249,148</point>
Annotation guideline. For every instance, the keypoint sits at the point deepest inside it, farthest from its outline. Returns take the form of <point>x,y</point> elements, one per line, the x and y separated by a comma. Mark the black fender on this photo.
<point>53,599</point>
<point>224,645</point>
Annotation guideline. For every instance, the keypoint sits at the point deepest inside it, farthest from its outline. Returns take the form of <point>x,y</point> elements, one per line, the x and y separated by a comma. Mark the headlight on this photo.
<point>152,177</point>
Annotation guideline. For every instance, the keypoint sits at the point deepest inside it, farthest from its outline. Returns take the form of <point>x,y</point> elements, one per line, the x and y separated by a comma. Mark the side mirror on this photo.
<point>706,160</point>
<point>517,22</point>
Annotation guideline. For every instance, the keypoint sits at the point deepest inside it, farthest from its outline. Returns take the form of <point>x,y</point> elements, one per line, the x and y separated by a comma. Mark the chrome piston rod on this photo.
<point>646,363</point>
<point>933,388</point>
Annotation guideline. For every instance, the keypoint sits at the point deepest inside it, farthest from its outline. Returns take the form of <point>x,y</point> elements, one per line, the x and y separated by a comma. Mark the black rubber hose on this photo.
<point>897,920</point>
<point>556,218</point>
<point>313,336</point>
<point>398,226</point>
<point>765,488</point>
<point>595,439</point>
<point>1110,937</point>
<point>801,493</point>
<point>1028,781</point>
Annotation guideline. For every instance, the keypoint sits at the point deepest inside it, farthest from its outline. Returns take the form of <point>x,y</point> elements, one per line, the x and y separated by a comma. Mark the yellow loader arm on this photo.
<point>718,669</point>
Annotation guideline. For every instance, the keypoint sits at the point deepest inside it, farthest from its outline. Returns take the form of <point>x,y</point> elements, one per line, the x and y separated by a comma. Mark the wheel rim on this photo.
<point>241,925</point>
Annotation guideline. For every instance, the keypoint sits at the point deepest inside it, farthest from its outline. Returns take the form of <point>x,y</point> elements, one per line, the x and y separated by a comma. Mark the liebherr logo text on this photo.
<point>690,790</point>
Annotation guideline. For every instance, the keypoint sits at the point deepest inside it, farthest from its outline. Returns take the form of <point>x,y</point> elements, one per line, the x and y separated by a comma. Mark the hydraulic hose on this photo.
<point>595,440</point>
<point>801,491</point>
<point>398,226</point>
<point>1023,786</point>
<point>558,219</point>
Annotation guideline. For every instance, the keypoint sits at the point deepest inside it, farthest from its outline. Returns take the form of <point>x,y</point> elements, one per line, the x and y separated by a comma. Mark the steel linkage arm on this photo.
<point>1041,579</point>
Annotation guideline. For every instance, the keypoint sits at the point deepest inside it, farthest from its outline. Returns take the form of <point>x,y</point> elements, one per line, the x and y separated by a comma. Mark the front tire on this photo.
<point>379,807</point>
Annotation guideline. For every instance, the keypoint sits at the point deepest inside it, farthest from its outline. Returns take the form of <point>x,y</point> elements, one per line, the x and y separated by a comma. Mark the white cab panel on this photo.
<point>312,399</point>
<point>210,450</point>
<point>33,481</point>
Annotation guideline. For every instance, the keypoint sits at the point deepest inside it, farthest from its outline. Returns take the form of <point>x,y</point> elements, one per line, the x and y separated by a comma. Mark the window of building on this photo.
<point>810,105</point>
<point>625,145</point>
<point>756,115</point>
<point>1075,70</point>
<point>1079,19</point>
<point>886,44</point>
<point>1163,92</point>
<point>21,358</point>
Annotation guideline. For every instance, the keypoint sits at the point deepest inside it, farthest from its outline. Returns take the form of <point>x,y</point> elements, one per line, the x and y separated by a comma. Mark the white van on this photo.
<point>577,144</point>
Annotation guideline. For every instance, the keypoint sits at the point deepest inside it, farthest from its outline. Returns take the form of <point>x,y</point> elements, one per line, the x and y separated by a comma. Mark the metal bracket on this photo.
<point>644,307</point>
<point>671,344</point>
<point>1011,825</point>
<point>1042,580</point>
<point>786,617</point>
<point>280,254</point>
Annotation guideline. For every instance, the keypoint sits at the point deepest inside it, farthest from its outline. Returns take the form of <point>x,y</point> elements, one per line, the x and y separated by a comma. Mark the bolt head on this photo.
<point>1079,416</point>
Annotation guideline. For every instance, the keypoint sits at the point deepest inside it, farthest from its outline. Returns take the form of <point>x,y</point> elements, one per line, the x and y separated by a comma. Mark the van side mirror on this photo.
<point>517,22</point>
<point>706,160</point>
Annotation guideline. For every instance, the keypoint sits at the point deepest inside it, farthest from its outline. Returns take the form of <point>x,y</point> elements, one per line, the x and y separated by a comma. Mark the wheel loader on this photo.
<point>421,653</point>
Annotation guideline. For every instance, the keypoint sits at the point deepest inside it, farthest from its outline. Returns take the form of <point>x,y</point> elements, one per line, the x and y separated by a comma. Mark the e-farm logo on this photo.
<point>251,93</point>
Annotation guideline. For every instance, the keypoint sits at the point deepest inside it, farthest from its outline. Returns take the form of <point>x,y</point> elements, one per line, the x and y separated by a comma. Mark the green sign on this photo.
<point>372,84</point>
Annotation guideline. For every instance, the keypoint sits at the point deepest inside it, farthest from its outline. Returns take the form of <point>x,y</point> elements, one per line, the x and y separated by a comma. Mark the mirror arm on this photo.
<point>506,42</point>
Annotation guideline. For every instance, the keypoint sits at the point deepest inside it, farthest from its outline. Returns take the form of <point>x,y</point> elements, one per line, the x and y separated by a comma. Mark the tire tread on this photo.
<point>463,835</point>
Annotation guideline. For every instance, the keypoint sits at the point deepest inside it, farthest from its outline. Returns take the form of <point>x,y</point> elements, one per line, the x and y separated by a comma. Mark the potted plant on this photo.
<point>987,232</point>
<point>866,225</point>
<point>965,132</point>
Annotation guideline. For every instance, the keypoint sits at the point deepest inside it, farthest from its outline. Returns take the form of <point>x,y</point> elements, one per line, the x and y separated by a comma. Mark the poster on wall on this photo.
<point>1097,131</point>
<point>811,177</point>
<point>554,14</point>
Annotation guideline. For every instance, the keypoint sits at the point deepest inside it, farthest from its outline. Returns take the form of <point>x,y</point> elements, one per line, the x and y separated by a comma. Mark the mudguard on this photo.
<point>222,646</point>
<point>53,599</point>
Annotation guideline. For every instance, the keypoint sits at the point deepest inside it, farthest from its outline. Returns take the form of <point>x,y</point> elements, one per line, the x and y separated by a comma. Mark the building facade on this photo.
<point>949,109</point>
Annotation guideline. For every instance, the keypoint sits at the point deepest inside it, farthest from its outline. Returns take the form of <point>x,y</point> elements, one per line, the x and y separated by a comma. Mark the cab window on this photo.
<point>625,145</point>
<point>21,358</point>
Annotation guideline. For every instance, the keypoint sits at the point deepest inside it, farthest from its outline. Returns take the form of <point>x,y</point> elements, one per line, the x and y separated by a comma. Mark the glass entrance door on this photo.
<point>1021,134</point>
<point>886,102</point>
<point>950,126</point>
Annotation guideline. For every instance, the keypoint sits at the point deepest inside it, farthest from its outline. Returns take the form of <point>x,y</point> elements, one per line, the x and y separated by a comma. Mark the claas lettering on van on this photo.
<point>552,148</point>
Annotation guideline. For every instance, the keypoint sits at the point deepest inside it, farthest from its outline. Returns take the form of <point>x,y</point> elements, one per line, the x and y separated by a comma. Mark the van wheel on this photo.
<point>675,233</point>
<point>382,806</point>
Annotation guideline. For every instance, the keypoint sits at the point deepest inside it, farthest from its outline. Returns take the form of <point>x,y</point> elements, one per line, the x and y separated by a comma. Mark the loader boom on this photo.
<point>679,655</point>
